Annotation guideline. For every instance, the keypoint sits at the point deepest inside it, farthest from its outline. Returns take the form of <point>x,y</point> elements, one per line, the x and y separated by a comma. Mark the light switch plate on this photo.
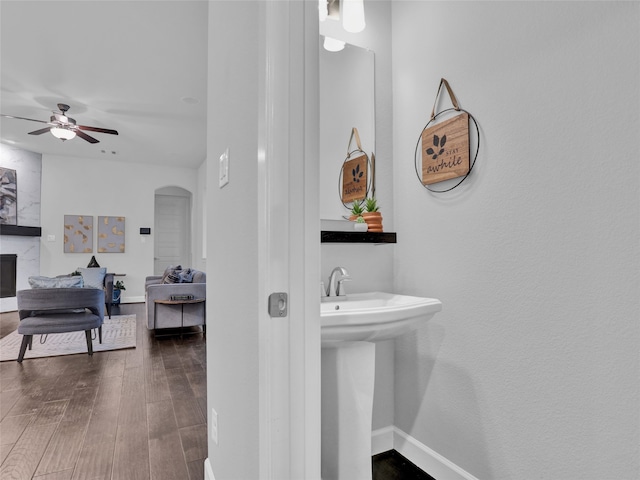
<point>224,168</point>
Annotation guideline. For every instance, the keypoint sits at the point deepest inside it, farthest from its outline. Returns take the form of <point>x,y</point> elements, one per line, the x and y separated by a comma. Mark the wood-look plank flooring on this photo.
<point>392,465</point>
<point>136,414</point>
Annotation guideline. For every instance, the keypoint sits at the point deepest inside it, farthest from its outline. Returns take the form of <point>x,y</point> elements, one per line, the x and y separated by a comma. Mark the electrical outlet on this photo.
<point>214,425</point>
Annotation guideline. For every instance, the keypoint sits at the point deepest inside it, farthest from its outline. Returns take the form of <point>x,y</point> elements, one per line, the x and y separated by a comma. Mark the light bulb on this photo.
<point>323,10</point>
<point>62,133</point>
<point>333,45</point>
<point>353,15</point>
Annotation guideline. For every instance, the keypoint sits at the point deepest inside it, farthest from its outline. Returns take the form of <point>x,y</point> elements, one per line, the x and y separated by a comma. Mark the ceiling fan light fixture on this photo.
<point>62,133</point>
<point>65,128</point>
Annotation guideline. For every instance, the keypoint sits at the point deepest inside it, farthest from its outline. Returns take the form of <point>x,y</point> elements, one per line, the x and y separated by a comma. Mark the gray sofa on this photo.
<point>174,316</point>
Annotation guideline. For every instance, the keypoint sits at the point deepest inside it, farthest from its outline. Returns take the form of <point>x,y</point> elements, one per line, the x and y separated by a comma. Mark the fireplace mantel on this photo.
<point>20,230</point>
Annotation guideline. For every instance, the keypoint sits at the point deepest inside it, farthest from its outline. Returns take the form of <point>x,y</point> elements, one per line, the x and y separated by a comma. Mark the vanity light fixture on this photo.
<point>329,8</point>
<point>351,12</point>
<point>323,10</point>
<point>333,45</point>
<point>353,15</point>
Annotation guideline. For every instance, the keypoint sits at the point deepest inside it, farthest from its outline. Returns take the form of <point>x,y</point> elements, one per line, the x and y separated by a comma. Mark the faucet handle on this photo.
<point>340,291</point>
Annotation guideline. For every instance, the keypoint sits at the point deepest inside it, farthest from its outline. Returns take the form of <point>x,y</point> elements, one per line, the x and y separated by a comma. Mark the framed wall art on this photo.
<point>110,234</point>
<point>8,197</point>
<point>78,234</point>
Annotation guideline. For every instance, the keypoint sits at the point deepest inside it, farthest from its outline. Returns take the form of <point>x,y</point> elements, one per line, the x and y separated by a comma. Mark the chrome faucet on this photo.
<point>336,289</point>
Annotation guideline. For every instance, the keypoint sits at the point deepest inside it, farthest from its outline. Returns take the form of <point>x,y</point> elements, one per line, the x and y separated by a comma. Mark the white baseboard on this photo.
<point>134,299</point>
<point>382,440</point>
<point>208,471</point>
<point>392,438</point>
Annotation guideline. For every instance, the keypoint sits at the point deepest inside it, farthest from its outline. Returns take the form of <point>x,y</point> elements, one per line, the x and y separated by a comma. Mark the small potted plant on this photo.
<point>372,216</point>
<point>360,225</point>
<point>117,291</point>
<point>356,211</point>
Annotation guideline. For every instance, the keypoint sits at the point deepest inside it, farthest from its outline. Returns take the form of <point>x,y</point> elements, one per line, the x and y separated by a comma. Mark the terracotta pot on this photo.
<point>374,221</point>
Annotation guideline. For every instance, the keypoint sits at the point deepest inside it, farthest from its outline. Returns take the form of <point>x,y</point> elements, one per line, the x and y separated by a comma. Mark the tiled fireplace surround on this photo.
<point>28,167</point>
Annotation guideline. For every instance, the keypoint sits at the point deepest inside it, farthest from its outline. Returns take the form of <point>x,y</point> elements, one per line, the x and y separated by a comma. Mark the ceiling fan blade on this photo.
<point>86,137</point>
<point>40,132</point>
<point>96,129</point>
<point>22,118</point>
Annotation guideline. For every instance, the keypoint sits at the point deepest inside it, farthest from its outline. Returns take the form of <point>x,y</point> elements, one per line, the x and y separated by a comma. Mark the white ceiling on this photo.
<point>139,67</point>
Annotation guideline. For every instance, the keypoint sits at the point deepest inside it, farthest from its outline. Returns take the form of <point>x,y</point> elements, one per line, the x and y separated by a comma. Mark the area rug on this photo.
<point>118,332</point>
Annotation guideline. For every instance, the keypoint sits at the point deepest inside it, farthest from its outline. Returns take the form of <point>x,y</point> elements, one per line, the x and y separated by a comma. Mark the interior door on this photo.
<point>172,237</point>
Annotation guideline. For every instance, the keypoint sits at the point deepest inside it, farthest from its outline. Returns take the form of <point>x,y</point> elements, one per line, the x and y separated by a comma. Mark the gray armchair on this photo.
<point>59,310</point>
<point>173,316</point>
<point>107,285</point>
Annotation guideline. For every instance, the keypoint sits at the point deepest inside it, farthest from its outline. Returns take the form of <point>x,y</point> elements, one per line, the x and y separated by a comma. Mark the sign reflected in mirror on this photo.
<point>355,176</point>
<point>355,179</point>
<point>347,101</point>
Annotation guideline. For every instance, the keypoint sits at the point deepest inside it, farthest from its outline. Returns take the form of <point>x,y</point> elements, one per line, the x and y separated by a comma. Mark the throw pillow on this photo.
<point>186,276</point>
<point>93,277</point>
<point>58,282</point>
<point>172,274</point>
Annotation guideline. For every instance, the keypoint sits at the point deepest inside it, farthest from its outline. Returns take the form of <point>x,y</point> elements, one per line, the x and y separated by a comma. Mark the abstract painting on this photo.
<point>110,234</point>
<point>78,234</point>
<point>8,197</point>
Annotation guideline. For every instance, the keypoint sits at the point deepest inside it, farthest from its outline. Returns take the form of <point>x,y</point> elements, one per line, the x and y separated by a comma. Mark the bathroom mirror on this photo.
<point>347,100</point>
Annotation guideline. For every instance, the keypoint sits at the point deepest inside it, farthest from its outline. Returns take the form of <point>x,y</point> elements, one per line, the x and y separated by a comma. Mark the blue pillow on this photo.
<point>186,276</point>
<point>93,277</point>
<point>172,275</point>
<point>57,282</point>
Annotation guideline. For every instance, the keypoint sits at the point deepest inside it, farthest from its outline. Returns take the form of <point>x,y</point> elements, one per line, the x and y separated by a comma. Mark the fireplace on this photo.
<point>8,268</point>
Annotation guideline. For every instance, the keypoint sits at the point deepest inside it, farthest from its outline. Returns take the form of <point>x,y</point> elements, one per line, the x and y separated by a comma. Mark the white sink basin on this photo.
<point>372,316</point>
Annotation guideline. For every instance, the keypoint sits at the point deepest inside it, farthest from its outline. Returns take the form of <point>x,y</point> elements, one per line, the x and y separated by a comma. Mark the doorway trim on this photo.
<point>289,238</point>
<point>176,192</point>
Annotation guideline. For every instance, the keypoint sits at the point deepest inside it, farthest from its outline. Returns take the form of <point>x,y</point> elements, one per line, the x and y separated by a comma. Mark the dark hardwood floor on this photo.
<point>393,466</point>
<point>136,414</point>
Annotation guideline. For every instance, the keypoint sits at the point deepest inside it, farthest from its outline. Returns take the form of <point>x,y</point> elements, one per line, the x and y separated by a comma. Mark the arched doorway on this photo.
<point>172,232</point>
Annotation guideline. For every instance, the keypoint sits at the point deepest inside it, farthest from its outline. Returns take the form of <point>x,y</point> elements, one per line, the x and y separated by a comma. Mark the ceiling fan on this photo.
<point>64,127</point>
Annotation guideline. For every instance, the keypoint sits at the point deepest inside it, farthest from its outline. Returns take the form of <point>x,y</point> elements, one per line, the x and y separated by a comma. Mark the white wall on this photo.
<point>232,250</point>
<point>77,186</point>
<point>531,370</point>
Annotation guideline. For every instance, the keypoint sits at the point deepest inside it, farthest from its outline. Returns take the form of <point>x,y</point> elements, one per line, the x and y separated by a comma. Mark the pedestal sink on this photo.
<point>350,326</point>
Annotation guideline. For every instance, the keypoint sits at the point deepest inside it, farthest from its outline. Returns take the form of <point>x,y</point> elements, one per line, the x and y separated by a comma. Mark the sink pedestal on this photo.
<point>349,326</point>
<point>348,375</point>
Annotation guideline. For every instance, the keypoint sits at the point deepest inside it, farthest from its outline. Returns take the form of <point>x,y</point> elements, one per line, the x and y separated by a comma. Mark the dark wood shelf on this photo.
<point>357,237</point>
<point>20,231</point>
